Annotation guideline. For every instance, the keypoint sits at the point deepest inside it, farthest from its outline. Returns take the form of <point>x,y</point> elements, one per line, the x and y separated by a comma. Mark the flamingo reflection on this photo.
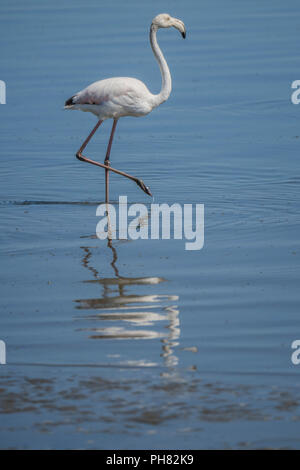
<point>127,308</point>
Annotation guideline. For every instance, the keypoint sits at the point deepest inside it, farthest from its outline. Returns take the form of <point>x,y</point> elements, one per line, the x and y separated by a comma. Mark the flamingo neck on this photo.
<point>164,69</point>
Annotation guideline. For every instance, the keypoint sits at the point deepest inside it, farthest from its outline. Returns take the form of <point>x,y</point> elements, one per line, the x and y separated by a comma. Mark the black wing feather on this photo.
<point>70,101</point>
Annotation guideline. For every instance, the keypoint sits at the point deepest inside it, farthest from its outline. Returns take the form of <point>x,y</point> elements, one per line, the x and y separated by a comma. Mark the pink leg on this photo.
<point>88,138</point>
<point>106,161</point>
<point>108,168</point>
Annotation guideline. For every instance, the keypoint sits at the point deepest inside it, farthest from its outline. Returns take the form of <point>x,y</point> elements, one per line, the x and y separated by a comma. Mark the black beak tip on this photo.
<point>183,35</point>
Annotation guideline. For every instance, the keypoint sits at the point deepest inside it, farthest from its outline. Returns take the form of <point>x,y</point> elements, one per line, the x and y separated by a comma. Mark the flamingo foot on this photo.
<point>145,188</point>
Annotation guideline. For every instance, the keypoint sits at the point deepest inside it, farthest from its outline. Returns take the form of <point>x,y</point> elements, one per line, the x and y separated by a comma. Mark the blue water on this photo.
<point>140,343</point>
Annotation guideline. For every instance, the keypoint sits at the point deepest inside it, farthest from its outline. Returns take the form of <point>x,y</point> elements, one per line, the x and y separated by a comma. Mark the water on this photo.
<point>142,344</point>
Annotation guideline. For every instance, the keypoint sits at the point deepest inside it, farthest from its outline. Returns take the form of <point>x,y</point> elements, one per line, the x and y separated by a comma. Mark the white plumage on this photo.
<point>114,98</point>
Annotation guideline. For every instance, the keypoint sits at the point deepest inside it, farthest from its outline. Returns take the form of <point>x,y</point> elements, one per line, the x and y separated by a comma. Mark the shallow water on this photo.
<point>142,344</point>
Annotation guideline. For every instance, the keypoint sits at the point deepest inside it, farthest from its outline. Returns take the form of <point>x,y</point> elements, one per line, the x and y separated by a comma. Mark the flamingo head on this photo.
<point>164,20</point>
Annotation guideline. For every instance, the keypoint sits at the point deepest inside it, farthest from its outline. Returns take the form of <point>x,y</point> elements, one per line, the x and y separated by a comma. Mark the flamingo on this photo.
<point>116,97</point>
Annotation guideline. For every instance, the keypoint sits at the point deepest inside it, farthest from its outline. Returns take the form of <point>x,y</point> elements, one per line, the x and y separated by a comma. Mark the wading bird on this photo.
<point>116,97</point>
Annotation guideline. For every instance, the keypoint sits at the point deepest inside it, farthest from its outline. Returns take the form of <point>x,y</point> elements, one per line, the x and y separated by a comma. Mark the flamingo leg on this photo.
<point>108,168</point>
<point>106,161</point>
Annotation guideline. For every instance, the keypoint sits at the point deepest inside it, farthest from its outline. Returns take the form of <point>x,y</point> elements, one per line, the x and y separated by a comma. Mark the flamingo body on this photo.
<point>114,98</point>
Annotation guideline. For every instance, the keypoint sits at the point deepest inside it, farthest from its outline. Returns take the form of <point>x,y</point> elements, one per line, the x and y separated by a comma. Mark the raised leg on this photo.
<point>88,139</point>
<point>82,158</point>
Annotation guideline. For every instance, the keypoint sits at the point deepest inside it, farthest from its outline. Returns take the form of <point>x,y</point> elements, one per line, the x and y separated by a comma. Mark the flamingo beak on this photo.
<point>178,24</point>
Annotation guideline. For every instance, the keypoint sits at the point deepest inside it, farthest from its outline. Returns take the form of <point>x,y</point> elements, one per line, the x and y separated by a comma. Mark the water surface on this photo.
<point>142,344</point>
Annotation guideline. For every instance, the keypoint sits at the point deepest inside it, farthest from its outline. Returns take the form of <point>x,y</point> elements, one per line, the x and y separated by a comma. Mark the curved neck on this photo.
<point>164,69</point>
